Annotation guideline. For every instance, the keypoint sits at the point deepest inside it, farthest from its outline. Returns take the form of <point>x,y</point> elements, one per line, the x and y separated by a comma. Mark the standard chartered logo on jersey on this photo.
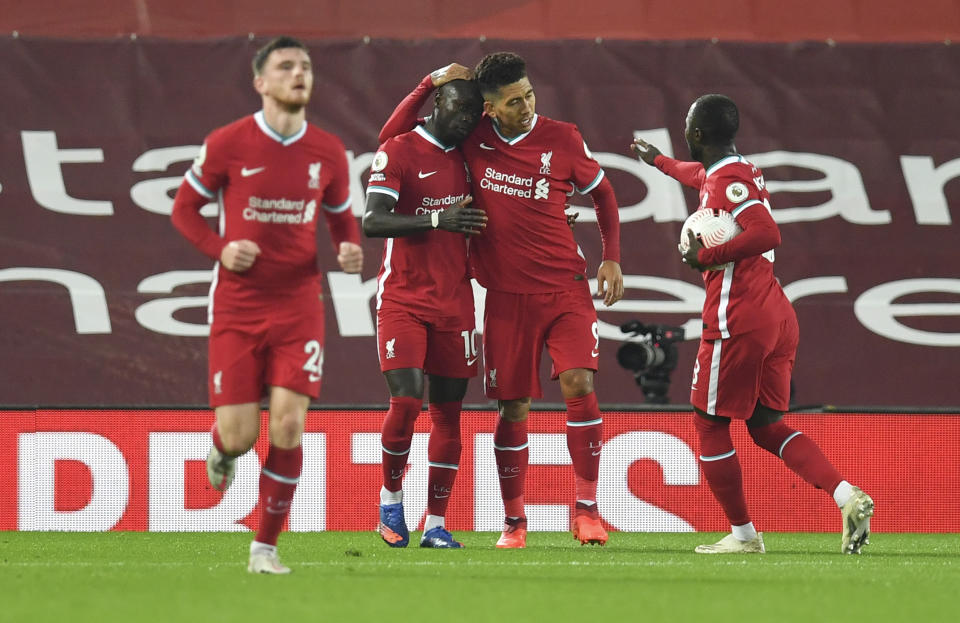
<point>438,204</point>
<point>281,211</point>
<point>513,185</point>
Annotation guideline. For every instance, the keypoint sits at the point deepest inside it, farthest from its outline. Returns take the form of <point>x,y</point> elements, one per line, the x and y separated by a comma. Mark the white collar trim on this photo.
<point>283,140</point>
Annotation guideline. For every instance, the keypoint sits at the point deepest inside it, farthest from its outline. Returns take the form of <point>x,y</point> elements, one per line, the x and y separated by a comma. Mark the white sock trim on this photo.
<point>390,497</point>
<point>843,493</point>
<point>786,441</point>
<point>719,457</point>
<point>432,521</point>
<point>746,532</point>
<point>256,547</point>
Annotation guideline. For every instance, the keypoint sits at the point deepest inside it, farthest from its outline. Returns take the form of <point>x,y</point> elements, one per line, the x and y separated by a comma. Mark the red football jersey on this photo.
<point>270,189</point>
<point>523,184</point>
<point>744,295</point>
<point>424,273</point>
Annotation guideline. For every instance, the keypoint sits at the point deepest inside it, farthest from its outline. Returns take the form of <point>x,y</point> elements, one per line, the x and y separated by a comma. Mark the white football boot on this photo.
<point>220,469</point>
<point>732,545</point>
<point>856,522</point>
<point>264,559</point>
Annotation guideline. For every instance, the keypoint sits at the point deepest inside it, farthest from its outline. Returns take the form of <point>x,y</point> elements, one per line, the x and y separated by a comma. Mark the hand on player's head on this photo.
<point>453,71</point>
<point>644,150</point>
<point>239,255</point>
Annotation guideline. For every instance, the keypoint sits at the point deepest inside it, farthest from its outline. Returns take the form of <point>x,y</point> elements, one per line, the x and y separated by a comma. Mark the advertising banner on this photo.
<point>103,303</point>
<point>75,470</point>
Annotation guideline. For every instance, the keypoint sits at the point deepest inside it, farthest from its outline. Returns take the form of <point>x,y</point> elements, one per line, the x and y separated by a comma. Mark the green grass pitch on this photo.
<point>354,577</point>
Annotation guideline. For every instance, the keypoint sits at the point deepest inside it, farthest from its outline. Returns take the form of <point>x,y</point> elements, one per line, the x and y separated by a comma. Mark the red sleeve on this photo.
<point>337,201</point>
<point>404,117</point>
<point>186,218</point>
<point>608,219</point>
<point>585,171</point>
<point>336,194</point>
<point>343,228</point>
<point>203,179</point>
<point>760,234</point>
<point>690,174</point>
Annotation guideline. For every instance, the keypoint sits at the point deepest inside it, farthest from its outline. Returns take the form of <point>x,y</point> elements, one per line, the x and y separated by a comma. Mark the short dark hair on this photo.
<point>463,88</point>
<point>717,117</point>
<point>278,43</point>
<point>497,70</point>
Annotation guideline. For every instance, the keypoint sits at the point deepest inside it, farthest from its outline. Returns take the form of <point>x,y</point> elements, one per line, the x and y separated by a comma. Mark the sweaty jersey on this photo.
<point>523,184</point>
<point>423,273</point>
<point>270,190</point>
<point>745,295</point>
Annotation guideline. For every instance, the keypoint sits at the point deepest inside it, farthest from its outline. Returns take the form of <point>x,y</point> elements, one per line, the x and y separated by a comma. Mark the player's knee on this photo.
<point>286,431</point>
<point>576,383</point>
<point>515,410</point>
<point>238,439</point>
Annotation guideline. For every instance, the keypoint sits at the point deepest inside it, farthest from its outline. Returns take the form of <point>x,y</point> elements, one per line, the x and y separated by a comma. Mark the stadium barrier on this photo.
<point>122,469</point>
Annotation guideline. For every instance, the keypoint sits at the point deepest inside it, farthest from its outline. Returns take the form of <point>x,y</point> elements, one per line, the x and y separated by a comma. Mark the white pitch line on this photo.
<point>474,563</point>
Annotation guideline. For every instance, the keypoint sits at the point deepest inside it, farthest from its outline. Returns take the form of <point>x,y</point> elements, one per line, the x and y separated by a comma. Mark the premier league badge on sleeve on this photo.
<point>736,192</point>
<point>379,161</point>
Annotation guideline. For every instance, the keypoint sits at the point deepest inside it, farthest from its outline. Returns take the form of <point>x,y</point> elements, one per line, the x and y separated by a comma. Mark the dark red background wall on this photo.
<point>740,20</point>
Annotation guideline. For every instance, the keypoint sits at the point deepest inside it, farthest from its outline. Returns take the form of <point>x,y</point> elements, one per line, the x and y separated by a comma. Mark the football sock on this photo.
<point>512,453</point>
<point>431,522</point>
<point>721,468</point>
<point>843,493</point>
<point>799,453</point>
<point>584,440</point>
<point>395,437</point>
<point>744,533</point>
<point>278,481</point>
<point>261,548</point>
<point>443,454</point>
<point>390,497</point>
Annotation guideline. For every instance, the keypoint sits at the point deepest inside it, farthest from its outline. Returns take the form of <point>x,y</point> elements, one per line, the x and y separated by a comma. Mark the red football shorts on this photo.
<point>518,326</point>
<point>441,345</point>
<point>731,375</point>
<point>250,352</point>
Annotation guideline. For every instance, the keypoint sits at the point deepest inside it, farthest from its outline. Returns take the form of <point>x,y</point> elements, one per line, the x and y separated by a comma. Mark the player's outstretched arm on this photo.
<point>644,150</point>
<point>690,174</point>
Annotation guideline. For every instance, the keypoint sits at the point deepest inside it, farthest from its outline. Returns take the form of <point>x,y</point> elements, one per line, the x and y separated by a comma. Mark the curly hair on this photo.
<point>497,70</point>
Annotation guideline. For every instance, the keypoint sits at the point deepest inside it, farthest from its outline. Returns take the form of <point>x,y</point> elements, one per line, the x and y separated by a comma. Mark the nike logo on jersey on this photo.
<point>594,353</point>
<point>470,362</point>
<point>245,172</point>
<point>485,146</point>
<point>423,175</point>
<point>597,453</point>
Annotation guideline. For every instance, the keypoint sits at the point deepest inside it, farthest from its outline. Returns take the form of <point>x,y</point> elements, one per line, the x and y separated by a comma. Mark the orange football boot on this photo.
<point>514,534</point>
<point>587,527</point>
